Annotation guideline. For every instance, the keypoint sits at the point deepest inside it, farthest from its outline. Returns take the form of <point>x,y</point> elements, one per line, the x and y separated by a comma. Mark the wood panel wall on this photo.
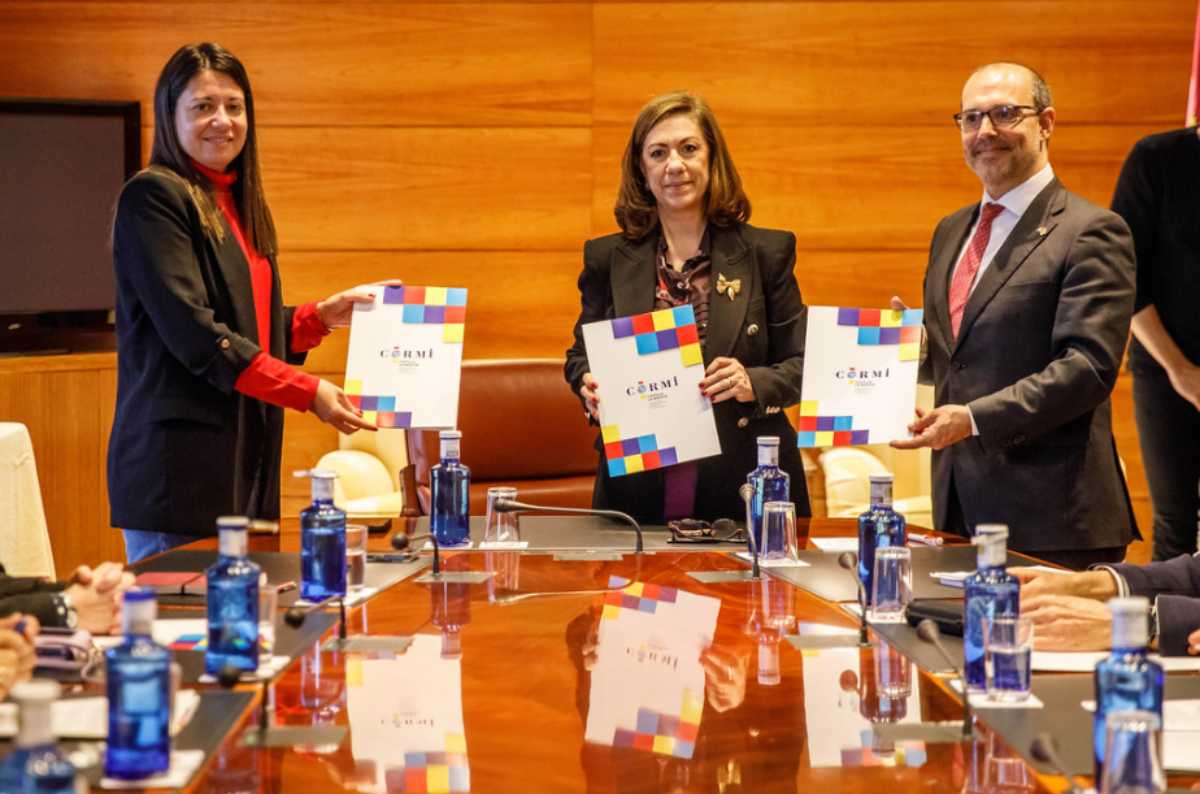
<point>476,144</point>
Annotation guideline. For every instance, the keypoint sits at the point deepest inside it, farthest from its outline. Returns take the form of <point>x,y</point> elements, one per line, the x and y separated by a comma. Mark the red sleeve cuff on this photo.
<point>272,381</point>
<point>307,328</point>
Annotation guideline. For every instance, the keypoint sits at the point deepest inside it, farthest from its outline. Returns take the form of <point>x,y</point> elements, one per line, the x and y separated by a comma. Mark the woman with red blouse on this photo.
<point>205,346</point>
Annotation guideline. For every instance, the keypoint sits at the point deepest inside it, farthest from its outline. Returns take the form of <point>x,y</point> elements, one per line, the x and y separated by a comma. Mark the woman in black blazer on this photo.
<point>684,240</point>
<point>204,343</point>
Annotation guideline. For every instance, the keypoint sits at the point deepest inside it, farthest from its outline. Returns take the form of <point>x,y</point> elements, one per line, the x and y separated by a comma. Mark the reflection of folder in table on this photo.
<point>413,733</point>
<point>649,367</point>
<point>647,689</point>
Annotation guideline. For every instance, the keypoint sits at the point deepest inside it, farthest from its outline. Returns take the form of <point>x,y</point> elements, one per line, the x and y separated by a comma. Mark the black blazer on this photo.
<point>763,327</point>
<point>185,447</point>
<point>1035,360</point>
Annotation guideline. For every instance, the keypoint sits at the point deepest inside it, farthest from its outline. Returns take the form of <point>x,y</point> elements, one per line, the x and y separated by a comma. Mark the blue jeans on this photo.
<point>140,543</point>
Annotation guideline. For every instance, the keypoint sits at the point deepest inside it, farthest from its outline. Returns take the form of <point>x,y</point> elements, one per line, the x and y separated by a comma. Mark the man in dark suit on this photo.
<point>1028,296</point>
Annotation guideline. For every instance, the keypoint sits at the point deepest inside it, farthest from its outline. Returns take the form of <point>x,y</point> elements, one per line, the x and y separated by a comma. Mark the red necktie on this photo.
<point>964,274</point>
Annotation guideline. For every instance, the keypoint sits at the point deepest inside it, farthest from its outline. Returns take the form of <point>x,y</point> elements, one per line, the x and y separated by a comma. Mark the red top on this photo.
<point>268,378</point>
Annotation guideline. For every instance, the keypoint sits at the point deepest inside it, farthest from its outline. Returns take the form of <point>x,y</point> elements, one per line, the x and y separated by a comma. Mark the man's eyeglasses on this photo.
<point>1002,116</point>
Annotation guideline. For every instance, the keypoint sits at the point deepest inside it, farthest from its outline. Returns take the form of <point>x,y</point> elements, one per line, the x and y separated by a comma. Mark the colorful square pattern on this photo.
<point>445,306</point>
<point>663,733</point>
<point>905,753</point>
<point>639,597</point>
<point>631,455</point>
<point>432,773</point>
<point>886,327</point>
<point>377,409</point>
<point>199,642</point>
<point>666,329</point>
<point>814,430</point>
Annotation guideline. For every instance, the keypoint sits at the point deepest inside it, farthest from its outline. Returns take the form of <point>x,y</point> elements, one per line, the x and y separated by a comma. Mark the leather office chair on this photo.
<point>521,427</point>
<point>369,469</point>
<point>848,488</point>
<point>25,548</point>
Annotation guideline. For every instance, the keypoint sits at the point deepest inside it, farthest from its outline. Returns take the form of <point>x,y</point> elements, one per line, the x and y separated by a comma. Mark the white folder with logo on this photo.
<point>860,376</point>
<point>405,356</point>
<point>649,367</point>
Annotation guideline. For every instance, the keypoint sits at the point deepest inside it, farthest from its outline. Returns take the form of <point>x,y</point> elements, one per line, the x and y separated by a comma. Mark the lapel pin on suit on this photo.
<point>1042,231</point>
<point>728,287</point>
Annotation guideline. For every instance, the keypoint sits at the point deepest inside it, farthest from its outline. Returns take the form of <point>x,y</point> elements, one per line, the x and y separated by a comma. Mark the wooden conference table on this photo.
<point>516,656</point>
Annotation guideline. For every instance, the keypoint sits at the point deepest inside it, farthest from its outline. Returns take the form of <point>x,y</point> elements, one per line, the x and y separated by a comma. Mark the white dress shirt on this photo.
<point>1015,202</point>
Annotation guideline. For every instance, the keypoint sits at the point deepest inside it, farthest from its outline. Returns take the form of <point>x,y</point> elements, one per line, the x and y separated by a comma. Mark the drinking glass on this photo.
<point>505,567</point>
<point>356,556</point>
<point>1008,658</point>
<point>501,527</point>
<point>779,532</point>
<point>893,672</point>
<point>891,585</point>
<point>1133,754</point>
<point>777,600</point>
<point>268,619</point>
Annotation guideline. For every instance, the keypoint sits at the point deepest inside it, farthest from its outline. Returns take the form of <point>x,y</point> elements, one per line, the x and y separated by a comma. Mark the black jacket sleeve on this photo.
<point>155,254</point>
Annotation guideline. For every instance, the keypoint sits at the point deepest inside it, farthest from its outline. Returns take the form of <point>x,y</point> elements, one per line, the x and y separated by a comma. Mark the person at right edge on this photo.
<point>1028,297</point>
<point>684,240</point>
<point>1158,195</point>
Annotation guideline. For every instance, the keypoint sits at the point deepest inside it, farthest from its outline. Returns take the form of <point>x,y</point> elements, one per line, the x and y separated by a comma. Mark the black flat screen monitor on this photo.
<point>63,164</point>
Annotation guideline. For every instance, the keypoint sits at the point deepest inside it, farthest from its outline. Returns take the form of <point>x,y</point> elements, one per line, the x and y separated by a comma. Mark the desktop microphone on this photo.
<point>928,631</point>
<point>747,494</point>
<point>513,506</point>
<point>228,676</point>
<point>1045,749</point>
<point>401,542</point>
<point>295,616</point>
<point>849,561</point>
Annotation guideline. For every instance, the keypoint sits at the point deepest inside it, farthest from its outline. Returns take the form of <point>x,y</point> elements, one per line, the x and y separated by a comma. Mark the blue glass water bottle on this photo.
<point>232,601</point>
<point>138,678</point>
<point>770,483</point>
<point>450,487</point>
<point>36,764</point>
<point>990,592</point>
<point>879,527</point>
<point>322,541</point>
<point>1127,679</point>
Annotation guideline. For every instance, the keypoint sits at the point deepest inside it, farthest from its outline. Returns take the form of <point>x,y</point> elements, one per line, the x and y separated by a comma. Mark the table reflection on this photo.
<point>684,669</point>
<point>406,718</point>
<point>991,767</point>
<point>874,687</point>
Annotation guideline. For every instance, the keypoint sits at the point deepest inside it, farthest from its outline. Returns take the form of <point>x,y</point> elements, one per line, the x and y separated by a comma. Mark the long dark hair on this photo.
<point>725,202</point>
<point>167,153</point>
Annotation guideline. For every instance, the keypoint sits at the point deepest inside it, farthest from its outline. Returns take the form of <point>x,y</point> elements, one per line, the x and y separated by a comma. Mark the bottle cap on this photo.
<point>989,533</point>
<point>139,611</point>
<point>37,690</point>
<point>446,435</point>
<point>315,474</point>
<point>233,522</point>
<point>139,594</point>
<point>770,441</point>
<point>1130,605</point>
<point>1130,621</point>
<point>881,478</point>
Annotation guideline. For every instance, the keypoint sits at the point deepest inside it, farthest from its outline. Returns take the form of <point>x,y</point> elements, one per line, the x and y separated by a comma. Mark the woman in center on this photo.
<point>684,240</point>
